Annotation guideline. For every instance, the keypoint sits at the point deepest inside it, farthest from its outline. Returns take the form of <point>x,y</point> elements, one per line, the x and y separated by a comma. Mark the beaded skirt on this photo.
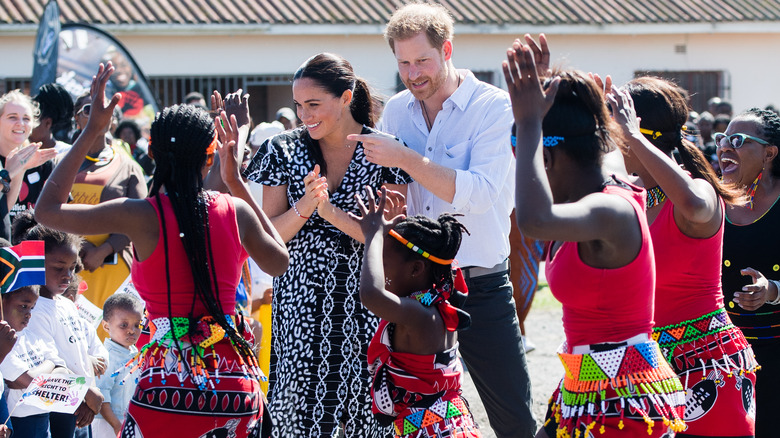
<point>717,367</point>
<point>624,391</point>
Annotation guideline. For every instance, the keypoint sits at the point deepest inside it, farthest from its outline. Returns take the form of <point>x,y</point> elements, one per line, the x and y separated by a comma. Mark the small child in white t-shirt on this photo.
<point>56,320</point>
<point>122,314</point>
<point>30,357</point>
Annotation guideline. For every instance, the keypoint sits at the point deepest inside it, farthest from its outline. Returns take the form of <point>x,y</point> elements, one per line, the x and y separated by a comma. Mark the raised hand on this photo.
<point>102,109</point>
<point>605,85</point>
<point>395,204</point>
<point>217,104</point>
<point>237,104</point>
<point>623,112</point>
<point>372,216</point>
<point>530,102</point>
<point>230,156</point>
<point>541,54</point>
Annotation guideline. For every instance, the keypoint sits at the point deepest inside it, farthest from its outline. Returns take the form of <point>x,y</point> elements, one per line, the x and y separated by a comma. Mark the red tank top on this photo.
<point>605,305</point>
<point>687,270</point>
<point>229,255</point>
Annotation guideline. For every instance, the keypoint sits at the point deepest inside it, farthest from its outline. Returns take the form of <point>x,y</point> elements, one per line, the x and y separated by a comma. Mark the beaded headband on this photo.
<point>213,145</point>
<point>654,134</point>
<point>549,141</point>
<point>419,250</point>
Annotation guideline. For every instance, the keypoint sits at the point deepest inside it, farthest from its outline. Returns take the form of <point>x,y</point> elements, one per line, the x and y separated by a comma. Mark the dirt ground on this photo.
<point>543,327</point>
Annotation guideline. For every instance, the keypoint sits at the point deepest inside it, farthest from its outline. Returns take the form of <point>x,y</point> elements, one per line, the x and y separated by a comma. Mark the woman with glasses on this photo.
<point>685,209</point>
<point>747,154</point>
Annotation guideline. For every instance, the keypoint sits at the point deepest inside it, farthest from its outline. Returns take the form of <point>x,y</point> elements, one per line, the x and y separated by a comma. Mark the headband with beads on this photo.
<point>419,250</point>
<point>213,145</point>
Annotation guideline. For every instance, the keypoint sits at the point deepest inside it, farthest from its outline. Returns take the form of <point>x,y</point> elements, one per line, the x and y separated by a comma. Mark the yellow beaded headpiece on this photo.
<point>419,250</point>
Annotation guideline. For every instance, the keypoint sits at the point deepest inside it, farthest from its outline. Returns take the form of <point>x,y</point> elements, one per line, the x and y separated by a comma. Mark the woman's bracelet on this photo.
<point>295,208</point>
<point>776,301</point>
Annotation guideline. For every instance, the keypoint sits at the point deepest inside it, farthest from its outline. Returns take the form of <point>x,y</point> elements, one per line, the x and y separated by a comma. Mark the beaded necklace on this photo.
<point>101,156</point>
<point>751,191</point>
<point>655,196</point>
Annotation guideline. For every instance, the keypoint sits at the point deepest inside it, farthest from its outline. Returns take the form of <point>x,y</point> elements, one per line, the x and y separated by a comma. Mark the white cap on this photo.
<point>263,131</point>
<point>287,113</point>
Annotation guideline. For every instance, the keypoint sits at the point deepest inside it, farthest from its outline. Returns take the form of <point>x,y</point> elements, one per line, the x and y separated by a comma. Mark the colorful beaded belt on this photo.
<point>420,418</point>
<point>199,335</point>
<point>632,372</point>
<point>691,330</point>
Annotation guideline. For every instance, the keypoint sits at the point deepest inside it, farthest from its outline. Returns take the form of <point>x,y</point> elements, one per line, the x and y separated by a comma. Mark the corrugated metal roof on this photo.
<point>491,12</point>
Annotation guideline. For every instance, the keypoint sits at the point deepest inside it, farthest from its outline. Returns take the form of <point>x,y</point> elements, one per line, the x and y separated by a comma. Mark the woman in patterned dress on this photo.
<point>319,383</point>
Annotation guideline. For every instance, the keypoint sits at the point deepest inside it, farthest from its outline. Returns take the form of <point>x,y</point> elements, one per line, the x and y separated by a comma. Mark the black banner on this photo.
<point>81,48</point>
<point>46,45</point>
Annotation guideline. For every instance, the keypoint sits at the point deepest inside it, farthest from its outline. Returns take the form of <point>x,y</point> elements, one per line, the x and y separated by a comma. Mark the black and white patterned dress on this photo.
<point>320,331</point>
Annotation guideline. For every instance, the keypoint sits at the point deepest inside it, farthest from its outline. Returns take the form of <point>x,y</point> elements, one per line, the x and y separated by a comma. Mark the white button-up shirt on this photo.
<point>471,136</point>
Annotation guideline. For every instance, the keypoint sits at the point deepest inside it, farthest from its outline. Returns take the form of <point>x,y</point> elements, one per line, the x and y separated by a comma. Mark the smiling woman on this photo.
<point>18,116</point>
<point>319,383</point>
<point>747,154</point>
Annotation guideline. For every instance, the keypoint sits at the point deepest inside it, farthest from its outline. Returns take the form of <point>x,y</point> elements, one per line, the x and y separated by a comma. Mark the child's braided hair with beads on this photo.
<point>439,237</point>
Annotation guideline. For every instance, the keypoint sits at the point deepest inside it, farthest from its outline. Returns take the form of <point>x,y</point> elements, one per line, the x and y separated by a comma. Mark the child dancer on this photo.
<point>122,314</point>
<point>30,357</point>
<point>407,281</point>
<point>56,319</point>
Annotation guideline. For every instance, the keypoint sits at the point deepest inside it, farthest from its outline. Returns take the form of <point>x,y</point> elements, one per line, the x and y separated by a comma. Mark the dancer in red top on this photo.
<point>407,281</point>
<point>198,377</point>
<point>686,212</point>
<point>600,264</point>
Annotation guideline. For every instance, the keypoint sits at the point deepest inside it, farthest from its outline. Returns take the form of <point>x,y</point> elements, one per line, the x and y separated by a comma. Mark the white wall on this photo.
<point>746,58</point>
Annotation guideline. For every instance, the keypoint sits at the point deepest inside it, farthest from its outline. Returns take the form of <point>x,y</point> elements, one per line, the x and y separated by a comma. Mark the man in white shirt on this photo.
<point>459,154</point>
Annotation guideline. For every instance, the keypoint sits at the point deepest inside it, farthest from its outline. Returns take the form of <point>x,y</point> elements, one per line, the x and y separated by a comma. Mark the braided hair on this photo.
<point>441,238</point>
<point>180,136</point>
<point>56,104</point>
<point>663,107</point>
<point>769,128</point>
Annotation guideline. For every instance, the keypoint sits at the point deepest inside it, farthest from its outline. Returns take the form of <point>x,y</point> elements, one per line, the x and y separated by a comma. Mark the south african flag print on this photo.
<point>22,265</point>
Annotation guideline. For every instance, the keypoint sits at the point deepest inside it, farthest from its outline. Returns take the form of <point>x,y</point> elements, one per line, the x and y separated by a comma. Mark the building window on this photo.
<point>172,89</point>
<point>9,84</point>
<point>701,85</point>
